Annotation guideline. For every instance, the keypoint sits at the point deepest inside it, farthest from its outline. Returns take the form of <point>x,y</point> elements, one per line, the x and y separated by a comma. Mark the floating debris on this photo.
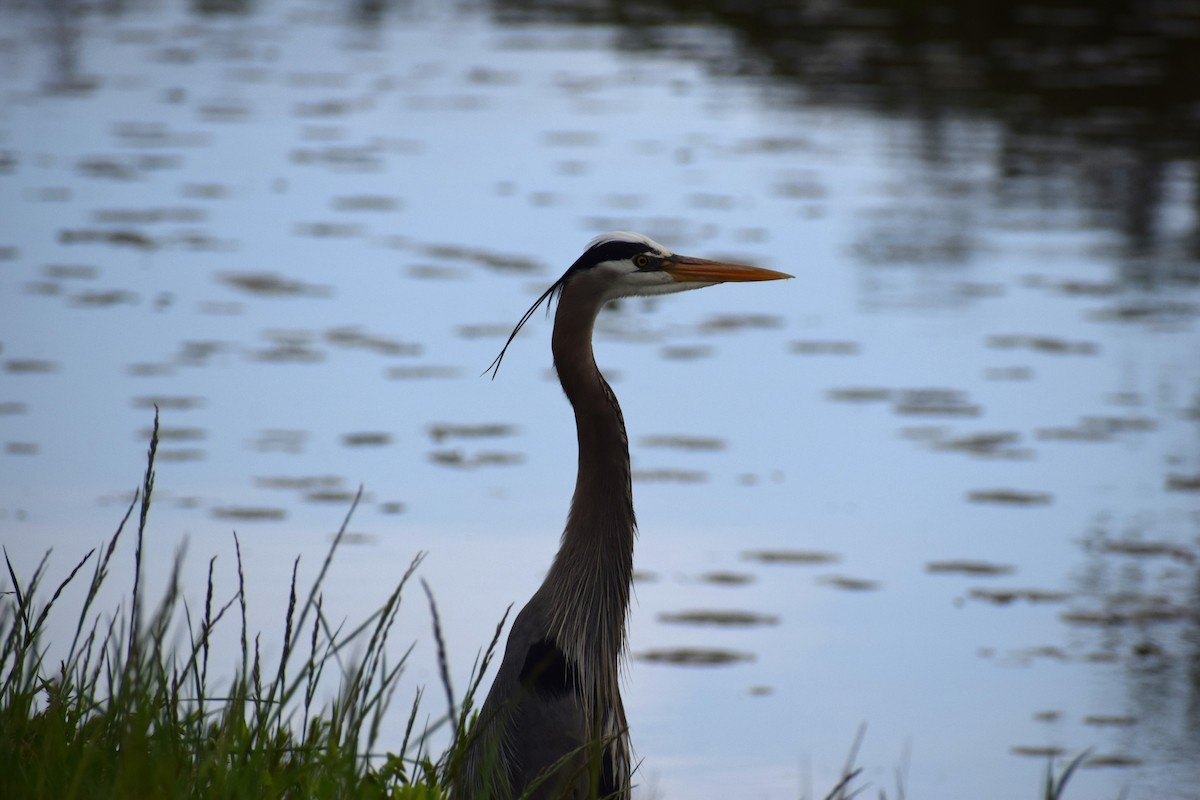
<point>339,496</point>
<point>499,262</point>
<point>976,290</point>
<point>760,691</point>
<point>440,431</point>
<point>302,482</point>
<point>391,507</point>
<point>693,656</point>
<point>1183,483</point>
<point>1147,311</point>
<point>352,537</point>
<point>21,448</point>
<point>849,584</point>
<point>288,346</point>
<point>859,394</point>
<point>966,567</point>
<point>120,238</point>
<point>1102,720</point>
<point>686,352</point>
<point>271,284</point>
<point>221,309</point>
<point>280,441</point>
<point>570,138</point>
<point>483,330</point>
<point>1080,433</point>
<point>104,299</point>
<point>1112,760</point>
<point>366,439</point>
<point>824,348</point>
<point>778,144</point>
<point>1099,429</point>
<point>1008,373</point>
<point>1045,751</point>
<point>1043,344</point>
<point>1138,547</point>
<point>1047,716</point>
<point>149,216</point>
<point>202,242</point>
<point>727,619</point>
<point>71,272</point>
<point>182,454</point>
<point>353,336</point>
<point>172,402</point>
<point>43,288</point>
<point>1150,610</point>
<point>724,578</point>
<point>984,445</point>
<point>1081,288</point>
<point>327,108</point>
<point>1010,497</point>
<point>168,433</point>
<point>642,576</point>
<point>681,442</point>
<point>1044,651</point>
<point>13,407</point>
<point>728,323</point>
<point>456,458</point>
<point>1003,597</point>
<point>666,475</point>
<point>424,372</point>
<point>435,272</point>
<point>790,556</point>
<point>357,158</point>
<point>935,402</point>
<point>249,513</point>
<point>204,191</point>
<point>30,366</point>
<point>327,230</point>
<point>102,167</point>
<point>366,202</point>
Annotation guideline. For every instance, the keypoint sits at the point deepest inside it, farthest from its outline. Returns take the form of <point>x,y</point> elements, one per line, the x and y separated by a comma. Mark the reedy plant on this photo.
<point>124,714</point>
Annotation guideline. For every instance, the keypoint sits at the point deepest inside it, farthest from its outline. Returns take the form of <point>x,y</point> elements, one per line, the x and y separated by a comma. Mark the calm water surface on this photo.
<point>943,483</point>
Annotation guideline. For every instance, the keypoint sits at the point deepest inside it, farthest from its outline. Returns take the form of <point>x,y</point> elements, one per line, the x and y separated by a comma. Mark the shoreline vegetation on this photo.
<point>125,714</point>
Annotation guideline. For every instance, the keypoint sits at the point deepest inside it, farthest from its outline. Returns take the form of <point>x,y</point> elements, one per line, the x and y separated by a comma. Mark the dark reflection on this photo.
<point>222,6</point>
<point>1138,605</point>
<point>1082,110</point>
<point>1092,102</point>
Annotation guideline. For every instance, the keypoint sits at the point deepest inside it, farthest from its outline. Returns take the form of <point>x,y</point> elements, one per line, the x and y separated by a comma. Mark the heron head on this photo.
<point>624,264</point>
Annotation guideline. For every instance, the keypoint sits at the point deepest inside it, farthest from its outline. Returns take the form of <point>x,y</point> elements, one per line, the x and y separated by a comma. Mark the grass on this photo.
<point>126,715</point>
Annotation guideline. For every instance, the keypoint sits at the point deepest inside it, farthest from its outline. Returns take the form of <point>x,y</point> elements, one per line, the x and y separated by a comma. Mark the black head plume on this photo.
<point>547,295</point>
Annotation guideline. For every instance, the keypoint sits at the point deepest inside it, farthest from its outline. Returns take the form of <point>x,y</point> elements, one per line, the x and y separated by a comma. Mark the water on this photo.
<point>305,235</point>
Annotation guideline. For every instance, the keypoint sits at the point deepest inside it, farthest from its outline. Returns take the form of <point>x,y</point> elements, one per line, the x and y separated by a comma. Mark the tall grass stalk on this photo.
<point>124,714</point>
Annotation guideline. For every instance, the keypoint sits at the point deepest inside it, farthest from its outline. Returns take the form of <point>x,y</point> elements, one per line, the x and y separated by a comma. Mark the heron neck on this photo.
<point>591,574</point>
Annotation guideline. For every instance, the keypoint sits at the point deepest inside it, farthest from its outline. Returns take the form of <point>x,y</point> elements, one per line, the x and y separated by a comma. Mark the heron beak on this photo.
<point>686,269</point>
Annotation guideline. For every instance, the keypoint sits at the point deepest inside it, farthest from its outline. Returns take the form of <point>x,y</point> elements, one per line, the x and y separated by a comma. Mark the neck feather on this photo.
<point>590,579</point>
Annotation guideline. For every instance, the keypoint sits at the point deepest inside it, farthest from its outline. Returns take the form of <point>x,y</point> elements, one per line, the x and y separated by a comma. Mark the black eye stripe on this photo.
<point>608,251</point>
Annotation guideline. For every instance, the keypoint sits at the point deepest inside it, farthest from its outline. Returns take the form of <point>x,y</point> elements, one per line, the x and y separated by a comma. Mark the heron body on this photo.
<point>553,724</point>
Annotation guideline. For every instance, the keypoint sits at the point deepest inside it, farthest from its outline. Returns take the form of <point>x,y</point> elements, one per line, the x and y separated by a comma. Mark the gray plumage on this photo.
<point>553,724</point>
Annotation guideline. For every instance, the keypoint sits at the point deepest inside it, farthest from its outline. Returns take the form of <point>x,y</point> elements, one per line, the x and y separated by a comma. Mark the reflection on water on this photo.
<point>302,231</point>
<point>1091,106</point>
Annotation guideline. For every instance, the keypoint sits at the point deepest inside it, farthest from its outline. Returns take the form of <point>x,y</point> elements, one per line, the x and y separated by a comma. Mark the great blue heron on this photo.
<point>554,713</point>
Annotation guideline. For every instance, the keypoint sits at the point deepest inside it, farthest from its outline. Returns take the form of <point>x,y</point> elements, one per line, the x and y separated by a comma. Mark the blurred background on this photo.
<point>945,483</point>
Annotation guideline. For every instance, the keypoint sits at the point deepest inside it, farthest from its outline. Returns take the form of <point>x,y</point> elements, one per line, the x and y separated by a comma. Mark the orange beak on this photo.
<point>686,269</point>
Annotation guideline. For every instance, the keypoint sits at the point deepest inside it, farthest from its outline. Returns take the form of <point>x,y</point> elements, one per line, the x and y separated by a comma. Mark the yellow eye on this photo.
<point>641,262</point>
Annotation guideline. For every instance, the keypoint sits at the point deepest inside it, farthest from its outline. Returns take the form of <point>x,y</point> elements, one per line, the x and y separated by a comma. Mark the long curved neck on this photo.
<point>590,578</point>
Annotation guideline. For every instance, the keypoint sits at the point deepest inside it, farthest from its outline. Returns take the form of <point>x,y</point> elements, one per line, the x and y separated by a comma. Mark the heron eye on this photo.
<point>641,262</point>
